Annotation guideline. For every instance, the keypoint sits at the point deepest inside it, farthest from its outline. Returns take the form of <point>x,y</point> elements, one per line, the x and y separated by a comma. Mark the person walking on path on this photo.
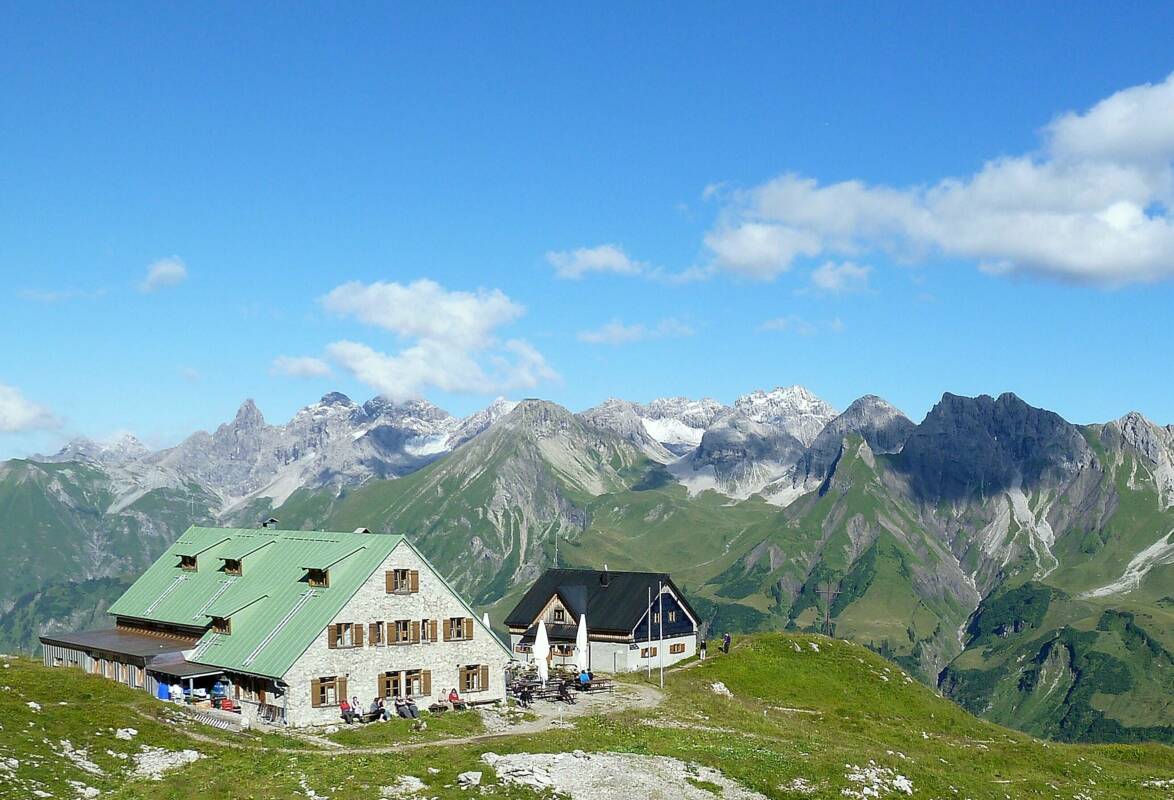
<point>701,650</point>
<point>725,642</point>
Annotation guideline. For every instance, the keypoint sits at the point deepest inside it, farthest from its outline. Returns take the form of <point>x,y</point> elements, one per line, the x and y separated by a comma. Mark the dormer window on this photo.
<point>187,563</point>
<point>318,577</point>
<point>560,615</point>
<point>233,566</point>
<point>222,625</point>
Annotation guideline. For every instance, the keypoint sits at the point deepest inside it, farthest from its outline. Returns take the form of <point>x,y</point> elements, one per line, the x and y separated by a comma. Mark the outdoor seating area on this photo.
<point>526,684</point>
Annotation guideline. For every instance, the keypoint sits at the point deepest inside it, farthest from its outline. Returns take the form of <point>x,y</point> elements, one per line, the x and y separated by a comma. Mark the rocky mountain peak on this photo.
<point>248,416</point>
<point>983,445</point>
<point>336,399</point>
<point>792,408</point>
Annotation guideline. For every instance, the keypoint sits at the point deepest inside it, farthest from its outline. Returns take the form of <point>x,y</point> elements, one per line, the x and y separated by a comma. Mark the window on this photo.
<point>560,615</point>
<point>648,652</point>
<point>327,691</point>
<point>672,616</point>
<point>222,625</point>
<point>402,581</point>
<point>403,631</point>
<point>413,682</point>
<point>564,650</point>
<point>428,630</point>
<point>458,629</point>
<point>187,563</point>
<point>524,648</point>
<point>677,649</point>
<point>318,577</point>
<point>474,678</point>
<point>655,617</point>
<point>390,684</point>
<point>375,634</point>
<point>344,634</point>
<point>232,566</point>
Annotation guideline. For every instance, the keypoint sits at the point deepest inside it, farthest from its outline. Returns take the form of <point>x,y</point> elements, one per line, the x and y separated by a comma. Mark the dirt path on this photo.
<point>626,697</point>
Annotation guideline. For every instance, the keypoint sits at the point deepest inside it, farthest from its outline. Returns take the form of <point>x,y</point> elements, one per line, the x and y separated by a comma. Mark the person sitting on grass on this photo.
<point>413,712</point>
<point>376,709</point>
<point>401,706</point>
<point>348,713</point>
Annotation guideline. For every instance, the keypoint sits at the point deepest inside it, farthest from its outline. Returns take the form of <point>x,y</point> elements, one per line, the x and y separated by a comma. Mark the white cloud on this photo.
<point>616,332</point>
<point>299,367</point>
<point>793,323</point>
<point>191,374</point>
<point>451,346</point>
<point>59,295</point>
<point>164,272</point>
<point>18,413</point>
<point>833,278</point>
<point>574,264</point>
<point>1094,206</point>
<point>424,309</point>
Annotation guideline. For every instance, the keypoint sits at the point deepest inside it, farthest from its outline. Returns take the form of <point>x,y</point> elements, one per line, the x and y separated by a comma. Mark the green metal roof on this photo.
<point>275,614</point>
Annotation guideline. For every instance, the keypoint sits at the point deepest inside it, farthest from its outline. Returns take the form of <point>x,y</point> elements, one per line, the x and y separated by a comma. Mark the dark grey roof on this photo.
<point>175,665</point>
<point>560,634</point>
<point>116,640</point>
<point>615,603</point>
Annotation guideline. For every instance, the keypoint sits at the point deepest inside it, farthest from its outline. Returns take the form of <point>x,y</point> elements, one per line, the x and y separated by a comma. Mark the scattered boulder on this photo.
<point>717,687</point>
<point>467,779</point>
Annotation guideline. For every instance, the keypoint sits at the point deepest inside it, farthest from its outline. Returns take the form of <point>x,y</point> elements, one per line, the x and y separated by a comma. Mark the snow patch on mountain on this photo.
<point>794,409</point>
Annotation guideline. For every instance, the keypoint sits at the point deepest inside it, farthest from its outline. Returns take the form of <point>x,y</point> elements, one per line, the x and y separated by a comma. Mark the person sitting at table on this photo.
<point>455,699</point>
<point>584,680</point>
<point>564,692</point>
<point>347,711</point>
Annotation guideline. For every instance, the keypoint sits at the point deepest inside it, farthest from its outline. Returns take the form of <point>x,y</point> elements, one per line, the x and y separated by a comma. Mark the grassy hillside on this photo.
<point>804,712</point>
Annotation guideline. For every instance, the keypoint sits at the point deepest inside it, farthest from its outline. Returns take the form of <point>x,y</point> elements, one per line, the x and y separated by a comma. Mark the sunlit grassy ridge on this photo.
<point>802,707</point>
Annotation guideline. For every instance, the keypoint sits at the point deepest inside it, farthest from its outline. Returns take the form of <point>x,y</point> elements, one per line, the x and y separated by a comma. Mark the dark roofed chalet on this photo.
<point>618,616</point>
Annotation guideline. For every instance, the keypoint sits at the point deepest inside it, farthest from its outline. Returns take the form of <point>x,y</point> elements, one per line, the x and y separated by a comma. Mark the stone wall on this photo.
<point>363,666</point>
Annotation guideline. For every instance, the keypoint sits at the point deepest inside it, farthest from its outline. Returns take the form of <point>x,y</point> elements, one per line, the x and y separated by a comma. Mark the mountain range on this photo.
<point>1021,563</point>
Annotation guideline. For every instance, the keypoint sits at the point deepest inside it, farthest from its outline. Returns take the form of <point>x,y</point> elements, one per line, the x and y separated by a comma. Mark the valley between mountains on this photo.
<point>1022,564</point>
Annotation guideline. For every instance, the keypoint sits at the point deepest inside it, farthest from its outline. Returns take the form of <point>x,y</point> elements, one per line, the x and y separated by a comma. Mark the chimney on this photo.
<point>362,530</point>
<point>604,577</point>
<point>270,523</point>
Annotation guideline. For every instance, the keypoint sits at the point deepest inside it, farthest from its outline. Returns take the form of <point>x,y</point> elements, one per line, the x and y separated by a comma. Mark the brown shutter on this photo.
<point>372,634</point>
<point>468,627</point>
<point>332,636</point>
<point>389,581</point>
<point>426,682</point>
<point>315,693</point>
<point>358,633</point>
<point>447,629</point>
<point>484,677</point>
<point>415,631</point>
<point>415,578</point>
<point>432,630</point>
<point>341,684</point>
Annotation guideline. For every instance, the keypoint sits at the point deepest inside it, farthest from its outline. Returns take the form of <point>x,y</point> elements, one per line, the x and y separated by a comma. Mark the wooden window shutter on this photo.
<point>415,580</point>
<point>432,630</point>
<point>468,627</point>
<point>341,684</point>
<point>484,677</point>
<point>316,693</point>
<point>358,633</point>
<point>415,631</point>
<point>389,581</point>
<point>332,636</point>
<point>371,633</point>
<point>447,630</point>
<point>426,682</point>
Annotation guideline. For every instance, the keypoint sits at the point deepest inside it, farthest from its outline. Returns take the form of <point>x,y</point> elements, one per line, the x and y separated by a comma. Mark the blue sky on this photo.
<point>890,199</point>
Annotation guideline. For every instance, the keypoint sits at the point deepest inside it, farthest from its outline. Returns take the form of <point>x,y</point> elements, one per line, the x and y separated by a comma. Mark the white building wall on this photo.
<point>363,666</point>
<point>609,657</point>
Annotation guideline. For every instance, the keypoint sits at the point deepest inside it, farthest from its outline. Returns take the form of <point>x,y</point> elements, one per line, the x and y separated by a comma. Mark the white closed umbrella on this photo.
<point>581,642</point>
<point>485,619</point>
<point>542,650</point>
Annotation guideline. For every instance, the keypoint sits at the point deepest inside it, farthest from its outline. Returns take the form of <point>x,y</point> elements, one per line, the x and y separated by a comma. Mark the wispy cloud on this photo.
<point>612,259</point>
<point>164,272</point>
<point>616,332</point>
<point>793,323</point>
<point>843,278</point>
<point>454,344</point>
<point>1092,206</point>
<point>19,414</point>
<point>59,295</point>
<point>299,367</point>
